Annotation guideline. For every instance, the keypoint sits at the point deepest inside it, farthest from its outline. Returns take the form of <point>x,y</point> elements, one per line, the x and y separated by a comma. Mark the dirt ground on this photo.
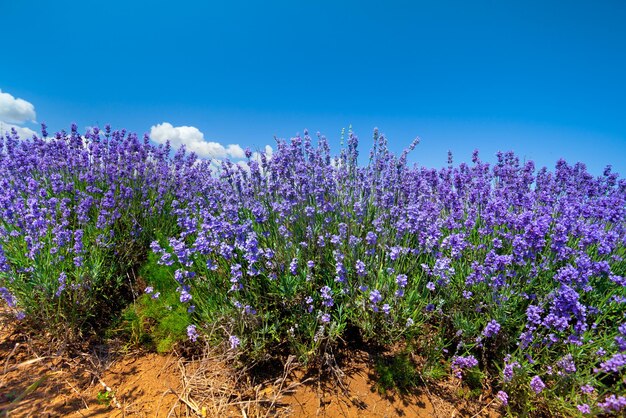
<point>101,384</point>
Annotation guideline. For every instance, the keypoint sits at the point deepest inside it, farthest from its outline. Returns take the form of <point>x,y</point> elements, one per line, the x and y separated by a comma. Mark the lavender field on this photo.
<point>508,277</point>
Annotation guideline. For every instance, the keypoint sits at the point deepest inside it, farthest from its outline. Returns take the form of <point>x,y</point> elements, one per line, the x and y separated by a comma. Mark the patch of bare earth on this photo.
<point>352,391</point>
<point>36,383</point>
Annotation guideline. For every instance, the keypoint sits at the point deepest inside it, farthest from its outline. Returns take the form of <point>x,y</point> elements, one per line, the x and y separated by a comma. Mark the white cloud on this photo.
<point>13,113</point>
<point>235,151</point>
<point>14,110</point>
<point>194,141</point>
<point>21,131</point>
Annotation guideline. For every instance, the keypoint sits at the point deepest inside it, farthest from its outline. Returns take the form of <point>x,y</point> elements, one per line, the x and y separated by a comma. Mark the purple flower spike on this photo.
<point>191,333</point>
<point>537,385</point>
<point>375,296</point>
<point>491,329</point>
<point>234,342</point>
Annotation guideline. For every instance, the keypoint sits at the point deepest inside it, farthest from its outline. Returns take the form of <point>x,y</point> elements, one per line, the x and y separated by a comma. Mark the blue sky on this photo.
<point>545,79</point>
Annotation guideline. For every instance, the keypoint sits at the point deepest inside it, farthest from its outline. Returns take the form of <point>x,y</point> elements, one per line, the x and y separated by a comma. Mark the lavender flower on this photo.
<point>327,296</point>
<point>62,282</point>
<point>185,296</point>
<point>509,370</point>
<point>536,384</point>
<point>491,329</point>
<point>8,297</point>
<point>191,333</point>
<point>459,363</point>
<point>360,268</point>
<point>371,238</point>
<point>375,296</point>
<point>614,364</point>
<point>567,364</point>
<point>584,408</point>
<point>503,397</point>
<point>234,342</point>
<point>621,343</point>
<point>401,280</point>
<point>587,389</point>
<point>293,266</point>
<point>613,403</point>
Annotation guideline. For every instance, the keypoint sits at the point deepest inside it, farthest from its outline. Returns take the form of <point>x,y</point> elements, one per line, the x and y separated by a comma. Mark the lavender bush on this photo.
<point>504,272</point>
<point>77,213</point>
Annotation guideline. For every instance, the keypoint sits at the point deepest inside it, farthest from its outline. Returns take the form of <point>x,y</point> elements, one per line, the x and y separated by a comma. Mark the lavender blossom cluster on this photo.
<point>77,212</point>
<point>521,268</point>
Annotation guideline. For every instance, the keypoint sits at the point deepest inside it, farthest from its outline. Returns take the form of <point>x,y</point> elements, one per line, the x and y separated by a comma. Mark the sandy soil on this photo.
<point>100,384</point>
<point>36,385</point>
<point>357,396</point>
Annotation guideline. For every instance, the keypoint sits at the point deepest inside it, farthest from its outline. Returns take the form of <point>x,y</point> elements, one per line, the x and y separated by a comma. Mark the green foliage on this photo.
<point>395,372</point>
<point>104,397</point>
<point>67,298</point>
<point>154,323</point>
<point>435,371</point>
